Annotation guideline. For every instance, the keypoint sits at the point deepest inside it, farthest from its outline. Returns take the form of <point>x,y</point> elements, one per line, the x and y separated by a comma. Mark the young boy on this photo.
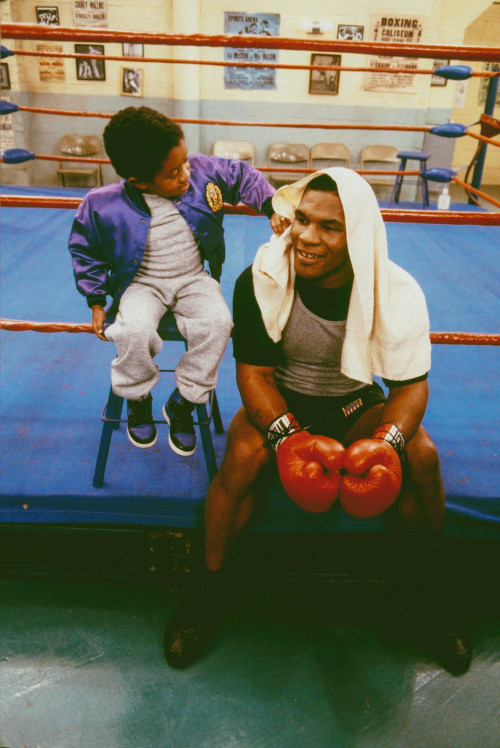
<point>143,241</point>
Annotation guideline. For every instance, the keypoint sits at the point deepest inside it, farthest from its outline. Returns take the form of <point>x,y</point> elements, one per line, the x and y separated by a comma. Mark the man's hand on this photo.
<point>309,468</point>
<point>372,481</point>
<point>279,223</point>
<point>98,320</point>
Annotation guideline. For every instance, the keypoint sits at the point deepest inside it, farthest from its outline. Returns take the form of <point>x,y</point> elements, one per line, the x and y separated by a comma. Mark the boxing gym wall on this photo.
<point>201,91</point>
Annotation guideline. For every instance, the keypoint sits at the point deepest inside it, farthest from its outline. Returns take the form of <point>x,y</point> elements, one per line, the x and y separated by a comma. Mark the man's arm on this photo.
<point>405,407</point>
<point>261,398</point>
<point>373,477</point>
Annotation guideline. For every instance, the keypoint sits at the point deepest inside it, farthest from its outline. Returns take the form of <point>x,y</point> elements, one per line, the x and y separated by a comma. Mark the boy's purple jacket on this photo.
<point>111,225</point>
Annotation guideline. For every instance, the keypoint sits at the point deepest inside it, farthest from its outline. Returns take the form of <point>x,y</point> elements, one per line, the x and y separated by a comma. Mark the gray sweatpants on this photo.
<point>203,318</point>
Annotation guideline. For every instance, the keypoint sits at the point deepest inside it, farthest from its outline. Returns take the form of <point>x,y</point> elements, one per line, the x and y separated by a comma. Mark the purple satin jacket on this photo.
<point>111,225</point>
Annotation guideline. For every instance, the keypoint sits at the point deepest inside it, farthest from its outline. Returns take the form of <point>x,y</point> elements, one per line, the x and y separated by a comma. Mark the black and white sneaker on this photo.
<point>178,412</point>
<point>141,429</point>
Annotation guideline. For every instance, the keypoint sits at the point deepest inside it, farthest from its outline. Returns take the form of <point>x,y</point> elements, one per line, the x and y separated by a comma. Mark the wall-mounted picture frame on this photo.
<point>436,80</point>
<point>325,82</point>
<point>4,76</point>
<point>48,15</point>
<point>349,32</point>
<point>89,69</point>
<point>132,50</point>
<point>132,81</point>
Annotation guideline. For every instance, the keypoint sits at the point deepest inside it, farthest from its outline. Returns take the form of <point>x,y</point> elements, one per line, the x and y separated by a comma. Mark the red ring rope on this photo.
<point>228,123</point>
<point>384,49</point>
<point>468,188</point>
<point>446,338</point>
<point>469,218</point>
<point>236,64</point>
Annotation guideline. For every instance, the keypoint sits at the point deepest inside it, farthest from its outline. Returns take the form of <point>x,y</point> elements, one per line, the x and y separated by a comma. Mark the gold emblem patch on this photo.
<point>213,195</point>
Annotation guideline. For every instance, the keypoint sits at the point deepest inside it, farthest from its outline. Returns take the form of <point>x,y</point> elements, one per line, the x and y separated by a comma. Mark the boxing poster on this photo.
<point>92,13</point>
<point>250,24</point>
<point>390,28</point>
<point>484,83</point>
<point>51,68</point>
<point>7,130</point>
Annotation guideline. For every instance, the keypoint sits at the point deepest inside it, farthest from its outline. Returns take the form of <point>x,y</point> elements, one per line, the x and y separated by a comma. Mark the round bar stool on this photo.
<point>405,156</point>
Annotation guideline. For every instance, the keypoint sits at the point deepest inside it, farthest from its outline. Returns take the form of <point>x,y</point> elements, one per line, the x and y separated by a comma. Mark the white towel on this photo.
<point>387,330</point>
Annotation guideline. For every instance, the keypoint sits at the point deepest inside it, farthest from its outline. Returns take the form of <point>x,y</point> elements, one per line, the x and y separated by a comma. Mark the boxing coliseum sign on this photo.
<point>393,29</point>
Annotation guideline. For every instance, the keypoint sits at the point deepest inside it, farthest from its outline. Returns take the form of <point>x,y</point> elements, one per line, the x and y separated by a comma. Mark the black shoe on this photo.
<point>177,412</point>
<point>452,650</point>
<point>141,429</point>
<point>190,629</point>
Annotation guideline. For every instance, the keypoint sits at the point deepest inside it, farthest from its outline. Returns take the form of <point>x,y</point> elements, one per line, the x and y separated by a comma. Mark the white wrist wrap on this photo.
<point>279,429</point>
<point>390,433</point>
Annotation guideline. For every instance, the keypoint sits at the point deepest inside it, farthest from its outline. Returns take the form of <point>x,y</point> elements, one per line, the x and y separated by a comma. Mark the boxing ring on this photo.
<point>54,385</point>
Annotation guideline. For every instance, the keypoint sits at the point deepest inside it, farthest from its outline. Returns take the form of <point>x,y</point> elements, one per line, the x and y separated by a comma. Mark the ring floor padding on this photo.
<point>53,387</point>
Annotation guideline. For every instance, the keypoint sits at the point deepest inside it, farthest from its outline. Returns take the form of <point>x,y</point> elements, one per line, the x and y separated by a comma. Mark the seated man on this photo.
<point>321,312</point>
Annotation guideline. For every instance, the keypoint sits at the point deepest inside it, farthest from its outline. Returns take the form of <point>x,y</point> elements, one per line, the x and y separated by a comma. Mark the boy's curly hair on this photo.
<point>138,140</point>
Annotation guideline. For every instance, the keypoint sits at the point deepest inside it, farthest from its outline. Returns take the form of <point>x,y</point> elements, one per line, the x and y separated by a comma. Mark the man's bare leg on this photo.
<point>418,518</point>
<point>230,499</point>
<point>228,508</point>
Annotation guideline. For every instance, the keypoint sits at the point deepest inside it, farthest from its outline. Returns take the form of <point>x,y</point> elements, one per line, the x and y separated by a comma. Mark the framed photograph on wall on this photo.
<point>47,15</point>
<point>90,69</point>
<point>132,50</point>
<point>348,32</point>
<point>436,80</point>
<point>324,82</point>
<point>4,76</point>
<point>132,79</point>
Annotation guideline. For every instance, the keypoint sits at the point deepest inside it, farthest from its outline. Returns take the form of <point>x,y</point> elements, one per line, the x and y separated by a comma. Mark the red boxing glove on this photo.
<point>309,468</point>
<point>373,478</point>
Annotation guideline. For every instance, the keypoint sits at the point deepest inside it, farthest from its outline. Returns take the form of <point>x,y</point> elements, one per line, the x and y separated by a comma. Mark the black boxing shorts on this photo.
<point>331,415</point>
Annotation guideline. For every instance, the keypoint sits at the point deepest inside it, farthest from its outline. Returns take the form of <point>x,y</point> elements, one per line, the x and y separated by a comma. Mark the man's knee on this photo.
<point>245,455</point>
<point>423,457</point>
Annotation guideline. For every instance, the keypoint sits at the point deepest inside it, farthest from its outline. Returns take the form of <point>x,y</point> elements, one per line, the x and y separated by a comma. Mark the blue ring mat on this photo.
<point>54,387</point>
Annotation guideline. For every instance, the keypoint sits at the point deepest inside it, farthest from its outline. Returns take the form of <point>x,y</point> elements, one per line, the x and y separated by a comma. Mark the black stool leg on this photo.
<point>396,192</point>
<point>216,416</point>
<point>425,191</point>
<point>206,439</point>
<point>112,414</point>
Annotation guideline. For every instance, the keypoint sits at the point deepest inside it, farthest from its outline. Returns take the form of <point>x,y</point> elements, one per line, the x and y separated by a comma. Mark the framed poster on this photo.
<point>350,32</point>
<point>253,24</point>
<point>4,76</point>
<point>7,130</point>
<point>388,28</point>
<point>132,82</point>
<point>132,50</point>
<point>324,82</point>
<point>485,82</point>
<point>436,80</point>
<point>47,14</point>
<point>93,13</point>
<point>90,69</point>
<point>51,68</point>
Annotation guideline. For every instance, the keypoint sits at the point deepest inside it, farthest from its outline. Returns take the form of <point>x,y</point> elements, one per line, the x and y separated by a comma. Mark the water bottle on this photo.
<point>444,199</point>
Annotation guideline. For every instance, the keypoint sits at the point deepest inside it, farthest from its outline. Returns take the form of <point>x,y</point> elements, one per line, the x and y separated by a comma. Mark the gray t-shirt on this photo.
<point>312,347</point>
<point>171,249</point>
